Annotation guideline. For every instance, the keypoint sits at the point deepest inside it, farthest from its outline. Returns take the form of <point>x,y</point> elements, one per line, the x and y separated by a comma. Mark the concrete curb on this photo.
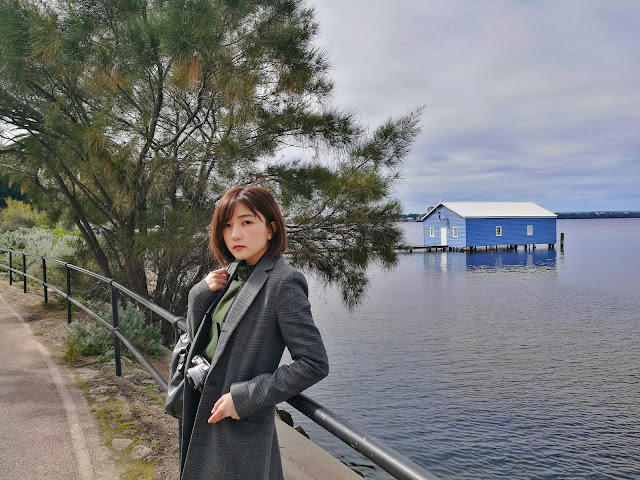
<point>304,460</point>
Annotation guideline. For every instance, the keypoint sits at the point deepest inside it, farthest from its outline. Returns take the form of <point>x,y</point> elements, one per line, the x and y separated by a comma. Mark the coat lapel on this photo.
<point>243,301</point>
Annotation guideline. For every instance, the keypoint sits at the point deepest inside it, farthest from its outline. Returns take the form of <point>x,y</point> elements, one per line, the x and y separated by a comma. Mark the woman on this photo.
<point>259,306</point>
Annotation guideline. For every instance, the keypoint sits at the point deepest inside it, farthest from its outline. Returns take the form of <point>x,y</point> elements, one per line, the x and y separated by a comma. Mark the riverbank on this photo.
<point>139,441</point>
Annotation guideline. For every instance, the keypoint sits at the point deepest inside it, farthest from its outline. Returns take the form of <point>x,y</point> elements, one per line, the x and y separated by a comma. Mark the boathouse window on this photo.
<point>498,231</point>
<point>432,231</point>
<point>455,231</point>
<point>529,229</point>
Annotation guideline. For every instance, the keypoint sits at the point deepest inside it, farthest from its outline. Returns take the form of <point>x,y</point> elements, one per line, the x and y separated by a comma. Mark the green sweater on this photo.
<point>219,314</point>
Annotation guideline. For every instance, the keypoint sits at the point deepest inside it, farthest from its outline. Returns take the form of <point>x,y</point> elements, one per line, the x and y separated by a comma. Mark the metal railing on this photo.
<point>386,458</point>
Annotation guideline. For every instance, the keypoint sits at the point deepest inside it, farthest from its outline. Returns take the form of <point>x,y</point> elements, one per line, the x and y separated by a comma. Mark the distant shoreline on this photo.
<point>599,215</point>
<point>412,217</point>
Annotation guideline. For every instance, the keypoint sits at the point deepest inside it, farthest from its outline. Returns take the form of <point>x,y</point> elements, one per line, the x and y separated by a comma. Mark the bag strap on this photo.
<point>211,308</point>
<point>182,350</point>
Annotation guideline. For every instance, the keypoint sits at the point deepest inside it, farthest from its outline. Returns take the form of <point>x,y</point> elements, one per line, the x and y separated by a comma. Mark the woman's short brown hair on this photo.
<point>257,200</point>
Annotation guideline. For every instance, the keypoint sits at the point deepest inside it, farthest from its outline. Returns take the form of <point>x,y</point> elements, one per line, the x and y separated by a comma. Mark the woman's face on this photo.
<point>247,235</point>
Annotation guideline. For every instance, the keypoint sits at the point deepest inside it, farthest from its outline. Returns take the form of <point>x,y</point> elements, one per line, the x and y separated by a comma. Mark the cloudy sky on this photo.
<point>524,100</point>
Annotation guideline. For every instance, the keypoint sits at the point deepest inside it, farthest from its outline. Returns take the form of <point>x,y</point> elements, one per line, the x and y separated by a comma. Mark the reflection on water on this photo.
<point>542,260</point>
<point>509,364</point>
<point>512,258</point>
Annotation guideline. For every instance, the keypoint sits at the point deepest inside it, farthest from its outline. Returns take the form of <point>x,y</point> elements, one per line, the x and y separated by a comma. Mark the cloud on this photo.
<point>533,101</point>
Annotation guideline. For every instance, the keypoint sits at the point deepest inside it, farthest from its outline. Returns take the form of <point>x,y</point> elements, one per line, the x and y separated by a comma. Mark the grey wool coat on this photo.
<point>271,311</point>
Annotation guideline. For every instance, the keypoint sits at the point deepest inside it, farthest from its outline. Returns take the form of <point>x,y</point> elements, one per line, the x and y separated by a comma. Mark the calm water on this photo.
<point>518,365</point>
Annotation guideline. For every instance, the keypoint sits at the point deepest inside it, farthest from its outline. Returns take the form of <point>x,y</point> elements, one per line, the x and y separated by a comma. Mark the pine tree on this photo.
<point>132,117</point>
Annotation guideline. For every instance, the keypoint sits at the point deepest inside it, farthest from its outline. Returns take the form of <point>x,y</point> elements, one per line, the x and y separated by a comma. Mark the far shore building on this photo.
<point>468,225</point>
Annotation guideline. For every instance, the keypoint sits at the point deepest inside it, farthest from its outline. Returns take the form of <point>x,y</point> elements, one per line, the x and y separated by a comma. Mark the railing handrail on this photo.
<point>386,458</point>
<point>165,314</point>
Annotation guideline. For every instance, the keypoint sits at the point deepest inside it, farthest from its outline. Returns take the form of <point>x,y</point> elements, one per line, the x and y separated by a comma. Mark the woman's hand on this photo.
<point>217,279</point>
<point>223,408</point>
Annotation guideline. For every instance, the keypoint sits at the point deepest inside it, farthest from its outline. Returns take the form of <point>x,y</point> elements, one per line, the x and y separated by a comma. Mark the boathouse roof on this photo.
<point>495,210</point>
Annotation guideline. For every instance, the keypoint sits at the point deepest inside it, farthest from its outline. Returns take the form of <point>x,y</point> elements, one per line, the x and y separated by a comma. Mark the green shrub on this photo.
<point>19,214</point>
<point>71,347</point>
<point>56,243</point>
<point>145,336</point>
<point>96,339</point>
<point>42,241</point>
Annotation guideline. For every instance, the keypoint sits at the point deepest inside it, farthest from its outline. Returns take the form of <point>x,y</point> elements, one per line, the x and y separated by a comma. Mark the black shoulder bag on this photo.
<point>173,403</point>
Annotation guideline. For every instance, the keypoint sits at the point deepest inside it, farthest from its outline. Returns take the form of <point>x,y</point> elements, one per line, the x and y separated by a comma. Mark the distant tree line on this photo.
<point>9,189</point>
<point>563,215</point>
<point>407,217</point>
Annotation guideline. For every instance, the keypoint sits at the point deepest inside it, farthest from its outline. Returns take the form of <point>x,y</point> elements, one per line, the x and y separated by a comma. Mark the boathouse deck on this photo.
<point>449,248</point>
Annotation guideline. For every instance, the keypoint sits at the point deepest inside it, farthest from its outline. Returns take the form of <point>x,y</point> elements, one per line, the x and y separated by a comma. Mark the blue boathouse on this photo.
<point>467,225</point>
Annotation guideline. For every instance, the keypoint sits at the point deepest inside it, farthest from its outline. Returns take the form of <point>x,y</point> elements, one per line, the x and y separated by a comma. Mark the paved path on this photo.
<point>47,430</point>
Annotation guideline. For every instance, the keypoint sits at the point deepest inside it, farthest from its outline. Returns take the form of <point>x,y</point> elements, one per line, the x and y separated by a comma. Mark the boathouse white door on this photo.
<point>443,235</point>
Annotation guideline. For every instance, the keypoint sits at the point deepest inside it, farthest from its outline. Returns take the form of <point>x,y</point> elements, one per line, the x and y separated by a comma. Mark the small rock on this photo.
<point>120,444</point>
<point>102,399</point>
<point>99,390</point>
<point>140,451</point>
<point>285,416</point>
<point>86,373</point>
<point>123,360</point>
<point>148,382</point>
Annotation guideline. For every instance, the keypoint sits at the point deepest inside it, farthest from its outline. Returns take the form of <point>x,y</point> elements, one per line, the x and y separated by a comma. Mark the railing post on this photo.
<point>44,280</point>
<point>68,275</point>
<point>10,267</point>
<point>116,340</point>
<point>24,273</point>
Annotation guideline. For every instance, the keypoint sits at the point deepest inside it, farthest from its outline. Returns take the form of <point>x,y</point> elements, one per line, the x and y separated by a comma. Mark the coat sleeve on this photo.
<point>200,298</point>
<point>302,338</point>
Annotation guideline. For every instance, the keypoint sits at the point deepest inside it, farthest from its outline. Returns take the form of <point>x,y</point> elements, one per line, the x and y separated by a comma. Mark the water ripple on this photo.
<point>490,370</point>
